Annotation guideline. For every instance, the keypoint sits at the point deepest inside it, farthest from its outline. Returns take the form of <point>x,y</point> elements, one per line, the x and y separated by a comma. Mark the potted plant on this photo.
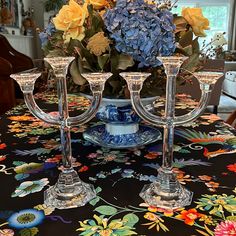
<point>122,36</point>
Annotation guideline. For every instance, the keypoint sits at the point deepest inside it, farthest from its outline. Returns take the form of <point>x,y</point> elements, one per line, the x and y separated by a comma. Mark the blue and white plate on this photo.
<point>145,135</point>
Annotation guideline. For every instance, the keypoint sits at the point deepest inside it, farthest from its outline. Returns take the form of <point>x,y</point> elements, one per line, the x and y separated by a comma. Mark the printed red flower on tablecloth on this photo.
<point>2,158</point>
<point>212,186</point>
<point>83,169</point>
<point>152,155</point>
<point>3,145</point>
<point>232,167</point>
<point>189,216</point>
<point>54,159</point>
<point>211,117</point>
<point>205,177</point>
<point>227,228</point>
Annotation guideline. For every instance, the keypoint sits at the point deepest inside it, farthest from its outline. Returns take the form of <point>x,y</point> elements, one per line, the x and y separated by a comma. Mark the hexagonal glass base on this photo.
<point>69,192</point>
<point>166,192</point>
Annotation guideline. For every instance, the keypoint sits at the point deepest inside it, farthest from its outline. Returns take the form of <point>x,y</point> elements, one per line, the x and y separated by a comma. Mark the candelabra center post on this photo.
<point>172,66</point>
<point>65,129</point>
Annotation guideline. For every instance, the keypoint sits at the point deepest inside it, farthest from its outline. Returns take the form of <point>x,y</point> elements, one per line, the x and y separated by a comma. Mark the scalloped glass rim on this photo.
<point>208,77</point>
<point>56,62</point>
<point>172,59</point>
<point>134,74</point>
<point>97,75</point>
<point>29,76</point>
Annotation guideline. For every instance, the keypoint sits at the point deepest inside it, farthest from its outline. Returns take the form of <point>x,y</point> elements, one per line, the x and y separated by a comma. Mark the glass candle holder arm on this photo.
<point>196,112</point>
<point>37,111</point>
<point>97,83</point>
<point>143,112</point>
<point>89,114</point>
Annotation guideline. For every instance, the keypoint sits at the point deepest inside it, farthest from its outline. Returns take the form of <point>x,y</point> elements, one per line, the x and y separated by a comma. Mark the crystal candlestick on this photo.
<point>166,191</point>
<point>69,191</point>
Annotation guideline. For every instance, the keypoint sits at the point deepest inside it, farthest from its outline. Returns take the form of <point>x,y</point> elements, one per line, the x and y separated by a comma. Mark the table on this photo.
<point>30,161</point>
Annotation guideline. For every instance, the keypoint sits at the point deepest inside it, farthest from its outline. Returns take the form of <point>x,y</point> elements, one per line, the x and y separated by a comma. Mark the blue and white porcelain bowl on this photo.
<point>121,128</point>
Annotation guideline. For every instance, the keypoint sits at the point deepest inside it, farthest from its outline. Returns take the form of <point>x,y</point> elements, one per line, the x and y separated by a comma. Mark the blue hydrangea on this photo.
<point>48,32</point>
<point>141,30</point>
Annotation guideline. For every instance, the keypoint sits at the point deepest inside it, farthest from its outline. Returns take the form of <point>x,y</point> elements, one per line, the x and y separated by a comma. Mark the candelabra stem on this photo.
<point>65,129</point>
<point>169,127</point>
<point>66,147</point>
<point>168,139</point>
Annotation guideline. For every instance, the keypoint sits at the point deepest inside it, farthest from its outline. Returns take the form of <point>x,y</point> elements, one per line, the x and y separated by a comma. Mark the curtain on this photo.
<point>232,26</point>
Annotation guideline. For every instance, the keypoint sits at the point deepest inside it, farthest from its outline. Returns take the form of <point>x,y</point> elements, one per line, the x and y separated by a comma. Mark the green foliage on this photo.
<point>29,232</point>
<point>94,201</point>
<point>131,219</point>
<point>106,210</point>
<point>119,227</point>
<point>231,218</point>
<point>53,5</point>
<point>95,21</point>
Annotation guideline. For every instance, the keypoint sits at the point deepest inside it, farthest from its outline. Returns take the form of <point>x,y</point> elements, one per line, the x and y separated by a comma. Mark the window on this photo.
<point>217,12</point>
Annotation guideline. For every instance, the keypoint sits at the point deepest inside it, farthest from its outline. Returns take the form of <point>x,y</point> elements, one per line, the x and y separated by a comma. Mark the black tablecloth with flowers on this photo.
<point>30,160</point>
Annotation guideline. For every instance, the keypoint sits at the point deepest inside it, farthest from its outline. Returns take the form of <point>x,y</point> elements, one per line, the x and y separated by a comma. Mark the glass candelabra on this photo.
<point>167,192</point>
<point>69,191</point>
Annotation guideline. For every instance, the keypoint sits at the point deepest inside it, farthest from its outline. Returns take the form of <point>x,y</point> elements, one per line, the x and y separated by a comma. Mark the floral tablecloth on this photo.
<point>30,160</point>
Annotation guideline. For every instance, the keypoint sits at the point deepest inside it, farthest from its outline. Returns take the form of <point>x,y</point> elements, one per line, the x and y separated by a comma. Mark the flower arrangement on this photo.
<point>124,35</point>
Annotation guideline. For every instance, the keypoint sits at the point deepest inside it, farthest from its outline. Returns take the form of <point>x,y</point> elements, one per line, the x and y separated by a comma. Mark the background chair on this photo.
<point>194,90</point>
<point>229,86</point>
<point>231,120</point>
<point>11,61</point>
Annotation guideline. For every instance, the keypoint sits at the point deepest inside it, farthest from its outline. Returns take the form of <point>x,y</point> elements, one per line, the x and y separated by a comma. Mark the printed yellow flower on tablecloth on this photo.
<point>70,19</point>
<point>196,19</point>
<point>98,44</point>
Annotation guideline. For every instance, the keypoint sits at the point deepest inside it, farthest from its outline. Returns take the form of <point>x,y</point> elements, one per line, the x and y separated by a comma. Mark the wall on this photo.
<point>39,19</point>
<point>23,44</point>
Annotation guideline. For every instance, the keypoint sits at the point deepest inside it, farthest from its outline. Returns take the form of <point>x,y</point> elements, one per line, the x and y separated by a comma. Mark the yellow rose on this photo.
<point>98,4</point>
<point>98,44</point>
<point>196,19</point>
<point>74,33</point>
<point>70,19</point>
